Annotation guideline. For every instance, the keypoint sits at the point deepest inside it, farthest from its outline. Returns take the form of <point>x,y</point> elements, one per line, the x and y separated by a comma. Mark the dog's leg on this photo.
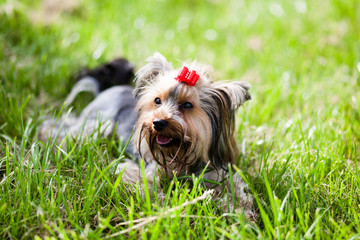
<point>243,198</point>
<point>130,171</point>
<point>113,107</point>
<point>131,174</point>
<point>56,128</point>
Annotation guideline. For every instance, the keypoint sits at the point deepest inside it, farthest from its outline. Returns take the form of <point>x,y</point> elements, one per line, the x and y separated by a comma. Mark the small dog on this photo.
<point>184,122</point>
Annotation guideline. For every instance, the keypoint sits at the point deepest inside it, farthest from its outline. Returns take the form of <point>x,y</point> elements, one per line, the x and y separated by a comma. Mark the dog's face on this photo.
<point>183,127</point>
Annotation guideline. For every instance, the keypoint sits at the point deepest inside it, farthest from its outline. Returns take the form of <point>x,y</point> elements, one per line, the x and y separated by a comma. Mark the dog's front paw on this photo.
<point>243,206</point>
<point>130,171</point>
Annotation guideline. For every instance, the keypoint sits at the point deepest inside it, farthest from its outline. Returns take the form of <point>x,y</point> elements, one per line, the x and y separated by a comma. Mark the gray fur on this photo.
<point>86,84</point>
<point>112,108</point>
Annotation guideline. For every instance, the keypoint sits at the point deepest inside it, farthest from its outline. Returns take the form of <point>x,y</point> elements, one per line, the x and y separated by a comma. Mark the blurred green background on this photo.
<point>302,58</point>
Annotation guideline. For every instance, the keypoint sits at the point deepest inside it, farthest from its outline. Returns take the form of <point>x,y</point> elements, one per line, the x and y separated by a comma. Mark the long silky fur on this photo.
<point>181,161</point>
<point>223,149</point>
<point>220,101</point>
<point>217,102</point>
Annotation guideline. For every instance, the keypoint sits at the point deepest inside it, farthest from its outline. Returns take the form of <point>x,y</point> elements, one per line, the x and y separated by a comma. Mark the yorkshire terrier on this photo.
<point>184,122</point>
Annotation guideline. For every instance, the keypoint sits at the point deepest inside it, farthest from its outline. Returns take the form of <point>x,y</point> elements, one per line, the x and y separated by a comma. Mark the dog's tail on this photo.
<point>116,72</point>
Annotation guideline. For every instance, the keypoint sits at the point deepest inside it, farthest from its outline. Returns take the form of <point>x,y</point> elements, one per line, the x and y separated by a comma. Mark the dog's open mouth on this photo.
<point>163,140</point>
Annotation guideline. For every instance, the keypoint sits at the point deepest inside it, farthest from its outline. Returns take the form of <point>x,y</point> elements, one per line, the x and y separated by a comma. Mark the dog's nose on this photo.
<point>159,124</point>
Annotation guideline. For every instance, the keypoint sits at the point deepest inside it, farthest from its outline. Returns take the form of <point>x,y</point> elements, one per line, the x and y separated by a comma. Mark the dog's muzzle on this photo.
<point>159,124</point>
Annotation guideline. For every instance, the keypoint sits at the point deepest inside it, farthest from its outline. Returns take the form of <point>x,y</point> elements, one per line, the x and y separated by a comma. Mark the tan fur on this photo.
<point>200,135</point>
<point>191,126</point>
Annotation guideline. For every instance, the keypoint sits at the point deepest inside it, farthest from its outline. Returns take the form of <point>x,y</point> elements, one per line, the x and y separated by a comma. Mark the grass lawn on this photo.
<point>299,137</point>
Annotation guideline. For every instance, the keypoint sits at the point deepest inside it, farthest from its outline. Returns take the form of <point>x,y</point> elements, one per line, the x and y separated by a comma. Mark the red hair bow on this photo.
<point>188,77</point>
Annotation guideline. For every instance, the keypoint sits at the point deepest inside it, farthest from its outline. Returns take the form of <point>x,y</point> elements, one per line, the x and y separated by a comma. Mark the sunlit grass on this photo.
<point>299,137</point>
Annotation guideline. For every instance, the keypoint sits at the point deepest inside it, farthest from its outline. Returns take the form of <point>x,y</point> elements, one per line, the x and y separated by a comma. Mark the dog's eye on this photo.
<point>157,101</point>
<point>187,105</point>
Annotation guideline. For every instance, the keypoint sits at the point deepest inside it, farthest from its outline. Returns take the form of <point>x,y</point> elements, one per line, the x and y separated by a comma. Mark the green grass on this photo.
<point>299,136</point>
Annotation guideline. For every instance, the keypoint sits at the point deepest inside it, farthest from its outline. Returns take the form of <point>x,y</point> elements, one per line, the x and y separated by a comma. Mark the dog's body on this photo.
<point>179,129</point>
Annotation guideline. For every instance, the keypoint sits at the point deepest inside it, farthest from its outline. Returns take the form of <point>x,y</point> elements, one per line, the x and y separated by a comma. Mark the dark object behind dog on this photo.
<point>116,72</point>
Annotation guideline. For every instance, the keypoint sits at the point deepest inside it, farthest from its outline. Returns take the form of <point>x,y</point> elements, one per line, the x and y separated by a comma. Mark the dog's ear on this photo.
<point>156,64</point>
<point>235,93</point>
<point>220,102</point>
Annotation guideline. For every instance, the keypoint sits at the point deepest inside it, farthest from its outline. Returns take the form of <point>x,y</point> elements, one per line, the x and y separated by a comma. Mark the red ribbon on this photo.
<point>188,77</point>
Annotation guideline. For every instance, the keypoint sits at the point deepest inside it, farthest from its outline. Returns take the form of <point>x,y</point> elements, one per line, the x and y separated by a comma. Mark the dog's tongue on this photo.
<point>162,140</point>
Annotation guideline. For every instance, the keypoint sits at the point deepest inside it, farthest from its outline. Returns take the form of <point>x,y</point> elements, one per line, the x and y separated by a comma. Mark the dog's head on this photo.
<point>182,126</point>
